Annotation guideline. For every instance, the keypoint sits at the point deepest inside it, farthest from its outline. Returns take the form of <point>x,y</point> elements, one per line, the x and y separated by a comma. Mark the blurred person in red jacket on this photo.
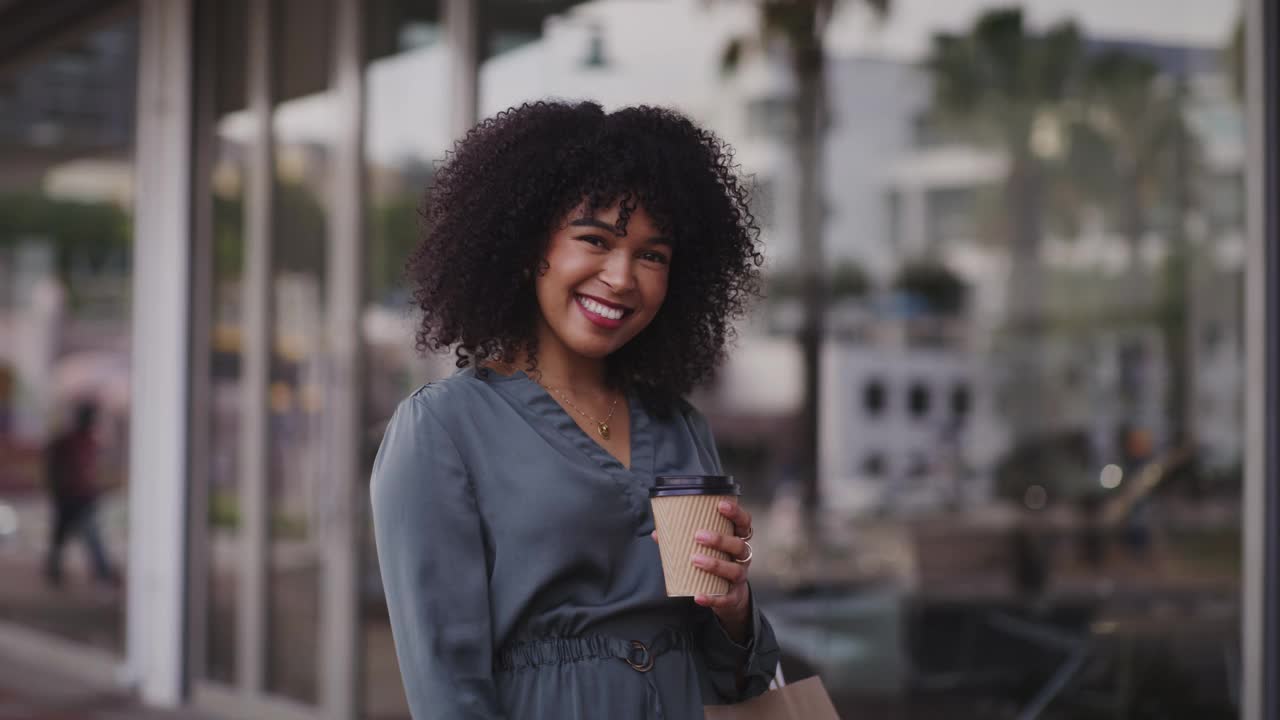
<point>71,463</point>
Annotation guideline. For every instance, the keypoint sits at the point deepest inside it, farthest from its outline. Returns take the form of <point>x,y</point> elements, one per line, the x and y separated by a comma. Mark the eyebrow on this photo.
<point>592,222</point>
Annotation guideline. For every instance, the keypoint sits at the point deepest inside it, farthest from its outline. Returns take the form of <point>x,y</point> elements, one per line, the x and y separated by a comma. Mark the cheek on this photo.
<point>554,288</point>
<point>565,271</point>
<point>545,295</point>
<point>656,293</point>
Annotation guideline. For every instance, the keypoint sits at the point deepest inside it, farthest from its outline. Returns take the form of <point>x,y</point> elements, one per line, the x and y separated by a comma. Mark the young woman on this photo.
<point>585,267</point>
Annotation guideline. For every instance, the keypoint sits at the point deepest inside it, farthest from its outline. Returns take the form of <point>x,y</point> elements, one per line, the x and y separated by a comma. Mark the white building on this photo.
<point>906,427</point>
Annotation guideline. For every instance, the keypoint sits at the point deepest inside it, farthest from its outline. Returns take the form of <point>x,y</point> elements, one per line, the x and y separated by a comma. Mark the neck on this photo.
<point>562,368</point>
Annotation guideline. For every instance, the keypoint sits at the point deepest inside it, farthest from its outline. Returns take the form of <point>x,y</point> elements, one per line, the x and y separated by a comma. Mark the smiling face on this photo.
<point>599,288</point>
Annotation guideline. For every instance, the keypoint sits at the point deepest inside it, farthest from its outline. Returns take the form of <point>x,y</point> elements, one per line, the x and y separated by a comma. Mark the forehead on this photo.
<point>638,222</point>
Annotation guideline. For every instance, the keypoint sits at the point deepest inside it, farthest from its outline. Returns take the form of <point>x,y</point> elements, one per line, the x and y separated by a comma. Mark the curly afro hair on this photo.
<point>494,200</point>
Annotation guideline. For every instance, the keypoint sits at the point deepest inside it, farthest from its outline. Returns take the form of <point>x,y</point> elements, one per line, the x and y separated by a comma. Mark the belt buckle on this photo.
<point>645,664</point>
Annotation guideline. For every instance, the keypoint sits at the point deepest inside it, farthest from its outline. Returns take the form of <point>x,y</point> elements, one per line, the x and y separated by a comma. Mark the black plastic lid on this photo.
<point>670,485</point>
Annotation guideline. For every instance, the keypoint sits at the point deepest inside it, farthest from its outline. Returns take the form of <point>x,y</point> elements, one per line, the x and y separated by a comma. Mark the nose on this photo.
<point>619,272</point>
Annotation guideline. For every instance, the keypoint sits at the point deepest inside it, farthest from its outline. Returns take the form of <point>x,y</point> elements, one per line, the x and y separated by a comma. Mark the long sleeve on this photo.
<point>731,666</point>
<point>431,552</point>
<point>734,672</point>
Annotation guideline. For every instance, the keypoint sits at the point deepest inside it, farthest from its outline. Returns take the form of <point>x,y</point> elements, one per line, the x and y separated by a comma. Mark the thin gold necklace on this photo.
<point>602,426</point>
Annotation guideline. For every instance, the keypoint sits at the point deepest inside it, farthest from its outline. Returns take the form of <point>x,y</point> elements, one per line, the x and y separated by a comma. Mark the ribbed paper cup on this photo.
<point>682,505</point>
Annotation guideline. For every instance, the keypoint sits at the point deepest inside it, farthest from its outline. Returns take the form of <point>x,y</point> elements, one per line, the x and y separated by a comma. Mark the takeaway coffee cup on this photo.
<point>682,505</point>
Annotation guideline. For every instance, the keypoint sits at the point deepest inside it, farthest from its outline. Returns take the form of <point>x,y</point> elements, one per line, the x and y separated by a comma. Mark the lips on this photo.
<point>604,314</point>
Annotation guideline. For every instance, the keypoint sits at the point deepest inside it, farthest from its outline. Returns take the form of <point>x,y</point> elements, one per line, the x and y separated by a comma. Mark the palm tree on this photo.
<point>799,25</point>
<point>1235,58</point>
<point>1129,154</point>
<point>1006,87</point>
<point>1124,146</point>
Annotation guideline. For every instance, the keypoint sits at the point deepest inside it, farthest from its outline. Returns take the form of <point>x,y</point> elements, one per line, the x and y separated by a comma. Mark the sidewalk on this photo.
<point>27,694</point>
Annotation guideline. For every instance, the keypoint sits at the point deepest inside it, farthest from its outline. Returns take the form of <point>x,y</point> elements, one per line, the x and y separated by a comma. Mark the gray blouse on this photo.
<point>519,572</point>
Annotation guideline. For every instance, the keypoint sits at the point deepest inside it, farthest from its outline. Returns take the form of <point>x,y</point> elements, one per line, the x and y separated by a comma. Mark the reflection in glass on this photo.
<point>407,129</point>
<point>66,201</point>
<point>873,397</point>
<point>227,182</point>
<point>303,142</point>
<point>960,401</point>
<point>1031,363</point>
<point>918,399</point>
<point>1056,204</point>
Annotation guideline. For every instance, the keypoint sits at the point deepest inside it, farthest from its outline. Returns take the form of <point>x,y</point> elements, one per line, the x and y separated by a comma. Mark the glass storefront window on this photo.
<point>407,113</point>
<point>301,66</point>
<point>227,184</point>
<point>303,146</point>
<point>1031,380</point>
<point>66,205</point>
<point>1031,365</point>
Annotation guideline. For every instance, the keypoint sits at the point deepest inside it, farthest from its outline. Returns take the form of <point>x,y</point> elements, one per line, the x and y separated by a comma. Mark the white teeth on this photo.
<point>599,309</point>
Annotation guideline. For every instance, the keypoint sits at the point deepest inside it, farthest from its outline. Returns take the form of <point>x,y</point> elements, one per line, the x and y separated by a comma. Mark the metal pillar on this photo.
<point>1261,591</point>
<point>462,28</point>
<point>156,618</point>
<point>339,665</point>
<point>257,321</point>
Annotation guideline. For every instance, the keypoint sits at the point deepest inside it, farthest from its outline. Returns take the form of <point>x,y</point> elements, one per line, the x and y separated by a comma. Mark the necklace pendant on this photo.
<point>604,430</point>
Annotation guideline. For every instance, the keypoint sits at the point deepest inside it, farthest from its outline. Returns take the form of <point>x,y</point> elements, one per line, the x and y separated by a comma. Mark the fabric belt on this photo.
<point>639,654</point>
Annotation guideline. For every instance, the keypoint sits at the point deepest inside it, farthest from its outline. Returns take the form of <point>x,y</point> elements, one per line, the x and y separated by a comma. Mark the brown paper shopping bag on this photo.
<point>804,700</point>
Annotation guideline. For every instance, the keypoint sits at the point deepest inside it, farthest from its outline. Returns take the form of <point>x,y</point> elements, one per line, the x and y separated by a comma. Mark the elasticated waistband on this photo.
<point>639,653</point>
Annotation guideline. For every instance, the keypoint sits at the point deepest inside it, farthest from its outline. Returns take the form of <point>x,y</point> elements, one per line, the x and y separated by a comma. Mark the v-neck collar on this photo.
<point>538,402</point>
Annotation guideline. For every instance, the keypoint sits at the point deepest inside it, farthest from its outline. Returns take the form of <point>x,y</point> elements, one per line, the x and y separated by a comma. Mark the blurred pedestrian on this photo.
<point>1138,452</point>
<point>72,475</point>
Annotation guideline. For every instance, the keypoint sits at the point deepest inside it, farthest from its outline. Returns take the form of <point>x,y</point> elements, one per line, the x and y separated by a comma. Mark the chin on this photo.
<point>594,350</point>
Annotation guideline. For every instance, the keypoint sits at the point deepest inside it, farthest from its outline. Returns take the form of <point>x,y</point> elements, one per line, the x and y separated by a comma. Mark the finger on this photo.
<point>729,570</point>
<point>654,535</point>
<point>715,601</point>
<point>740,516</point>
<point>732,545</point>
<point>730,599</point>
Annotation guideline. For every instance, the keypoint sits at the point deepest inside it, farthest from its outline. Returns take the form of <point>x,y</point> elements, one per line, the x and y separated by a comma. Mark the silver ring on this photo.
<point>750,532</point>
<point>746,559</point>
